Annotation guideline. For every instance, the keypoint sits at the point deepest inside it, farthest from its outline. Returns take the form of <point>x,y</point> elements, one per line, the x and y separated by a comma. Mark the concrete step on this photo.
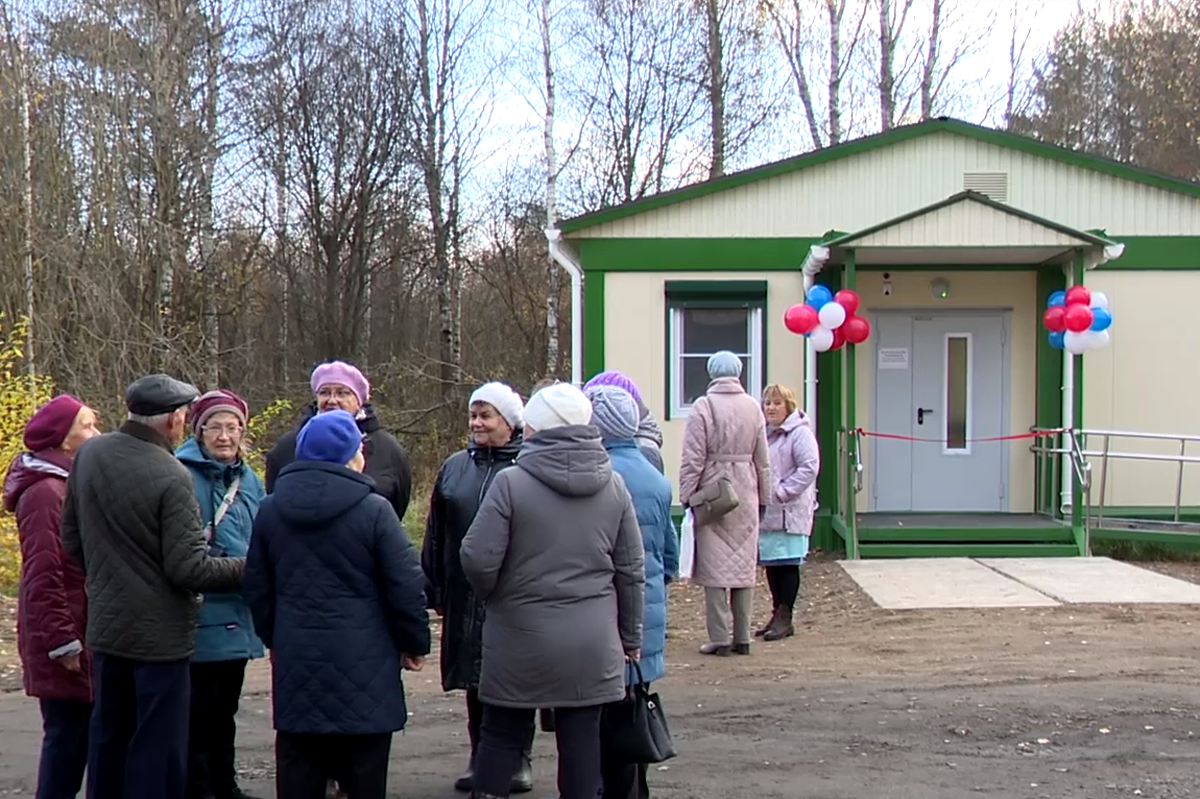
<point>966,549</point>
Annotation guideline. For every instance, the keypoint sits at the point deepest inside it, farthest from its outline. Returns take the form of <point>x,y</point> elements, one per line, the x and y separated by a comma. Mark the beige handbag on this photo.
<point>712,501</point>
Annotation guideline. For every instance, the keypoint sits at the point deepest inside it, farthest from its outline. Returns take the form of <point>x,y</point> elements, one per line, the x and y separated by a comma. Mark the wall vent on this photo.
<point>990,184</point>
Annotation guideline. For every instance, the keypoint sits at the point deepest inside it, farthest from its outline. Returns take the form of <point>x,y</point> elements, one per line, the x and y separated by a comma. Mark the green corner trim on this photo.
<point>971,196</point>
<point>880,140</point>
<point>593,324</point>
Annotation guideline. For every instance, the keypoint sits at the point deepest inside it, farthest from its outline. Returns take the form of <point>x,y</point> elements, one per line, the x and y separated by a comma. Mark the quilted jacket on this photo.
<point>725,437</point>
<point>130,519</point>
<point>387,464</point>
<point>52,607</point>
<point>651,495</point>
<point>461,483</point>
<point>224,630</point>
<point>795,463</point>
<point>337,594</point>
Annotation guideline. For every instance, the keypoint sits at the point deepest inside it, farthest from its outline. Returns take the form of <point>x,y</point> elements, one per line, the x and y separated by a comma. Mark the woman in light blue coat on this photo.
<point>615,413</point>
<point>229,493</point>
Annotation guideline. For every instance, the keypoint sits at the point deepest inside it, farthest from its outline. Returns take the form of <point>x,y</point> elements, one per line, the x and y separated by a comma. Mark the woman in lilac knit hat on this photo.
<point>649,437</point>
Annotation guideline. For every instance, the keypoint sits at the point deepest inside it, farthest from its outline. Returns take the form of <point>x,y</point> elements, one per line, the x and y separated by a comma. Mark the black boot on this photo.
<point>761,631</point>
<point>466,780</point>
<point>782,628</point>
<point>522,781</point>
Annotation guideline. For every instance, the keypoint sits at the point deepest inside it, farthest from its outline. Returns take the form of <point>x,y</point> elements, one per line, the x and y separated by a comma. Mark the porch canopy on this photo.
<point>965,229</point>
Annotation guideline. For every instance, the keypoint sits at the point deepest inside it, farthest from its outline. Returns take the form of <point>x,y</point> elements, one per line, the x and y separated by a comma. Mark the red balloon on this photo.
<point>839,337</point>
<point>1078,318</point>
<point>856,329</point>
<point>1055,318</point>
<point>848,299</point>
<point>801,318</point>
<point>1079,295</point>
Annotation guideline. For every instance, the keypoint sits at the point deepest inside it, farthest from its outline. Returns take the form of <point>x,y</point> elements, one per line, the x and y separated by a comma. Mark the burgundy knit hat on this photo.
<point>49,425</point>
<point>218,401</point>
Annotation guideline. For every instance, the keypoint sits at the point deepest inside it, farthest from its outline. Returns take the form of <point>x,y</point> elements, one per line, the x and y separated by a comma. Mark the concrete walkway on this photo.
<point>1013,582</point>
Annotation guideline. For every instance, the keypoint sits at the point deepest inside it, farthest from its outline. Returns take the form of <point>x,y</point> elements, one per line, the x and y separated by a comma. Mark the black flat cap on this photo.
<point>155,394</point>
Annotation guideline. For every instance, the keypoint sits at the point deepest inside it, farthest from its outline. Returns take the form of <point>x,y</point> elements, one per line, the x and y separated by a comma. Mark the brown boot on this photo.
<point>761,631</point>
<point>782,628</point>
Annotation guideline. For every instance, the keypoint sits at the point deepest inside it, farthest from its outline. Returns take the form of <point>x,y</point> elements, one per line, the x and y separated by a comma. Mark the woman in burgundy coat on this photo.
<point>52,605</point>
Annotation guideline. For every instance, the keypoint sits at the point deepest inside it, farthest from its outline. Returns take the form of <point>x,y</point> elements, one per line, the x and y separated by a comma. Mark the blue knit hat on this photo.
<point>724,364</point>
<point>330,437</point>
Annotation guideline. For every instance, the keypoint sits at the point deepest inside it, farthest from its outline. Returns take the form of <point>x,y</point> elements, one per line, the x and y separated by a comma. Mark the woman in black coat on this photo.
<point>337,595</point>
<point>496,421</point>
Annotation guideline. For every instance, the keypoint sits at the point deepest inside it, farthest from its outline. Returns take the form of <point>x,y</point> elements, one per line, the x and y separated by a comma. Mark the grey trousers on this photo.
<point>717,605</point>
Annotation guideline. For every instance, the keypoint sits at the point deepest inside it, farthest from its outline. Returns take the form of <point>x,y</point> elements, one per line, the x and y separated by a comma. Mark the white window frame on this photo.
<point>754,381</point>
<point>946,448</point>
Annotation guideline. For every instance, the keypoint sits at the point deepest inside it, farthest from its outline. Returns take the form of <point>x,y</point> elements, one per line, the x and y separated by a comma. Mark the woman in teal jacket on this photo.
<point>229,493</point>
<point>615,413</point>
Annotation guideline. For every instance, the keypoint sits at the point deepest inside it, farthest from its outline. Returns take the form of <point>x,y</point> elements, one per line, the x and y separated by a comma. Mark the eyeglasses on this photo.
<point>227,430</point>
<point>339,393</point>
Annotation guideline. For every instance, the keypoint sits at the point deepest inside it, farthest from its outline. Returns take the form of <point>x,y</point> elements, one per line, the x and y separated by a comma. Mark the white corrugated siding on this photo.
<point>966,224</point>
<point>863,190</point>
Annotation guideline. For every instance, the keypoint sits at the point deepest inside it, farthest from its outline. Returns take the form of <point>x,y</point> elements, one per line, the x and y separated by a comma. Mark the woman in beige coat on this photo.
<point>725,437</point>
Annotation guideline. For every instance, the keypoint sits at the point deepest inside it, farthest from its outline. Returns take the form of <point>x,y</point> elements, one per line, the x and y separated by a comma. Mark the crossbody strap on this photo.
<point>230,495</point>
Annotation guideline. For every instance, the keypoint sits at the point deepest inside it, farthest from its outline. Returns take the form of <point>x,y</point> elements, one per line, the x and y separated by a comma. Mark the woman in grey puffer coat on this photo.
<point>556,555</point>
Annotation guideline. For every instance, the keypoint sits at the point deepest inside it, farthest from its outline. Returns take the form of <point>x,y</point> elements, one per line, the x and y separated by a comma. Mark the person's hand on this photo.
<point>412,663</point>
<point>71,663</point>
<point>633,654</point>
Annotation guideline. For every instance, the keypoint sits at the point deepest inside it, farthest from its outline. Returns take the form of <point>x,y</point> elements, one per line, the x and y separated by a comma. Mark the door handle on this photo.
<point>921,414</point>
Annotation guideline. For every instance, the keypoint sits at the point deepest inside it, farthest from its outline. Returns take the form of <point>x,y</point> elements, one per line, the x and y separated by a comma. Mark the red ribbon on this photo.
<point>1015,437</point>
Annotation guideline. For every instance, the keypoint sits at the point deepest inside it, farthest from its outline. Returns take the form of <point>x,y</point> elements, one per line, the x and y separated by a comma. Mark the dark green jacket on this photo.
<point>131,520</point>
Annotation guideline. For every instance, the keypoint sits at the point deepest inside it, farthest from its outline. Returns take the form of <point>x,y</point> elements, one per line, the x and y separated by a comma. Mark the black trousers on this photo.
<point>216,691</point>
<point>784,582</point>
<point>304,764</point>
<point>475,723</point>
<point>64,747</point>
<point>137,743</point>
<point>505,732</point>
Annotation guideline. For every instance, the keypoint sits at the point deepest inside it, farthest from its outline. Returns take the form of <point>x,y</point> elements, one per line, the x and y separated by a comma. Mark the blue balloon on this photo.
<point>1056,340</point>
<point>1057,298</point>
<point>818,295</point>
<point>1101,319</point>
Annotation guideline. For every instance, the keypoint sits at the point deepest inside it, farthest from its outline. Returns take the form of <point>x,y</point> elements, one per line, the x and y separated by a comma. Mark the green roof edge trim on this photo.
<point>877,141</point>
<point>971,196</point>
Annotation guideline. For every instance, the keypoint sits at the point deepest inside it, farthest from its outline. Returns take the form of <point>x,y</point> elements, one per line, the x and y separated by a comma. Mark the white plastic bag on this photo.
<point>687,545</point>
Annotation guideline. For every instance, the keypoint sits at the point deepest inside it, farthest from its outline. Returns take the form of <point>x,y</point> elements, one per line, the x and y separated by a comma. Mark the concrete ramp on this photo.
<point>912,583</point>
<point>1096,581</point>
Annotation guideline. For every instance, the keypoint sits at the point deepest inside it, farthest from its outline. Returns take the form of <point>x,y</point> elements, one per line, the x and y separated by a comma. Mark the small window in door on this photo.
<point>957,375</point>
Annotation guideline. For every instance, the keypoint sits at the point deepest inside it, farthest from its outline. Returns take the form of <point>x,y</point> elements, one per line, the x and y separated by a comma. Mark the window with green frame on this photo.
<point>703,317</point>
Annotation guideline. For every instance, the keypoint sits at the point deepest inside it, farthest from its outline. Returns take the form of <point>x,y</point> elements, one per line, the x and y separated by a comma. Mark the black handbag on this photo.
<point>635,729</point>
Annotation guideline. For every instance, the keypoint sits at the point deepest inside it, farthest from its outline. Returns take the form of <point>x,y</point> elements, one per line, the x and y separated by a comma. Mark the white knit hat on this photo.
<point>557,405</point>
<point>506,402</point>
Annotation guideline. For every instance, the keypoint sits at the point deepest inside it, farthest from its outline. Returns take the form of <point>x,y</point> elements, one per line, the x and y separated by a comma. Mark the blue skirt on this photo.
<point>777,548</point>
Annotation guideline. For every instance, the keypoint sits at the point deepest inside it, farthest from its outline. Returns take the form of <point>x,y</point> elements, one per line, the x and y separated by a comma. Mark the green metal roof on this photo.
<point>880,140</point>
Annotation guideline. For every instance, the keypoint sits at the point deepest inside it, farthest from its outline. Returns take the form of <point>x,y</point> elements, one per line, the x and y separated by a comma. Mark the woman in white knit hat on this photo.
<point>496,421</point>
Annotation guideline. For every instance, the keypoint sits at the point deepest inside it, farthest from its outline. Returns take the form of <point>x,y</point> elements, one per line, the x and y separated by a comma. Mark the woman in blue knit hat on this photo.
<point>337,595</point>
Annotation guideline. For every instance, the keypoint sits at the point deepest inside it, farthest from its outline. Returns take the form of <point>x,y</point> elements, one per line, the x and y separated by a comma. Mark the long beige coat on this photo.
<point>733,446</point>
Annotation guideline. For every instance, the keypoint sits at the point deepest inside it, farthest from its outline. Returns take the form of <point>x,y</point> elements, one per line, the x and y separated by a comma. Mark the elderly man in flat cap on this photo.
<point>131,520</point>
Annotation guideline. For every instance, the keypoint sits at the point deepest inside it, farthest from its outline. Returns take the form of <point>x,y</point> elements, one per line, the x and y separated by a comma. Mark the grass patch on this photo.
<point>1143,551</point>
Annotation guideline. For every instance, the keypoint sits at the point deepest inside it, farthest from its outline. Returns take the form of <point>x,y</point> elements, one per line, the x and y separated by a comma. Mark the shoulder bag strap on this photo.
<point>226,502</point>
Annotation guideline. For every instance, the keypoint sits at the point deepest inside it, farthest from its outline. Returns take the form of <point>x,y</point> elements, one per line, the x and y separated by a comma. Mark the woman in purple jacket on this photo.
<point>787,524</point>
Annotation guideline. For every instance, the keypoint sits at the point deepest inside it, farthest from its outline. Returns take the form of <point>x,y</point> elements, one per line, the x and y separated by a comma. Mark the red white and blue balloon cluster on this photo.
<point>828,319</point>
<point>1078,320</point>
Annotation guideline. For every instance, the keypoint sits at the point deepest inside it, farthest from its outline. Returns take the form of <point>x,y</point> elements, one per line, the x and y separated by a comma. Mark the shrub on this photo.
<point>20,396</point>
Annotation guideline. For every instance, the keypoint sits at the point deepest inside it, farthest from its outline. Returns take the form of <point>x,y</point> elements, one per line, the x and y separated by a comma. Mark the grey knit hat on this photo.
<point>614,412</point>
<point>724,364</point>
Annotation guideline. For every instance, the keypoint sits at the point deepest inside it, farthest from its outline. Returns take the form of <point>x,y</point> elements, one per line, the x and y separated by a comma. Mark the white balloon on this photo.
<point>1099,300</point>
<point>1075,343</point>
<point>832,315</point>
<point>822,337</point>
<point>1098,339</point>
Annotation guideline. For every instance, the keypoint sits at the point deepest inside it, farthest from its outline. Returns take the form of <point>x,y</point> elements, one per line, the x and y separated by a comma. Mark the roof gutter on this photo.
<point>812,265</point>
<point>562,257</point>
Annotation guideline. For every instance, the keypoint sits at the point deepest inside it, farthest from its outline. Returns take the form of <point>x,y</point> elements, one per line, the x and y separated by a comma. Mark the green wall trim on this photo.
<point>1048,385</point>
<point>716,290</point>
<point>878,141</point>
<point>829,414</point>
<point>757,255</point>
<point>593,324</point>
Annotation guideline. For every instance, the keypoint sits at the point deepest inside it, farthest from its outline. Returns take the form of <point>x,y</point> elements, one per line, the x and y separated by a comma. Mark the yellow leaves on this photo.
<point>274,414</point>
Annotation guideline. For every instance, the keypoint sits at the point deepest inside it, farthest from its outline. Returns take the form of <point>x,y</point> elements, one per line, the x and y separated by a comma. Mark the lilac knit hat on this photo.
<point>615,378</point>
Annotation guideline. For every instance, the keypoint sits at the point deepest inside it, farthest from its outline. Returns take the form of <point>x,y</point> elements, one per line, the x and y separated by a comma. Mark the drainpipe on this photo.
<point>563,258</point>
<point>813,263</point>
<point>1091,261</point>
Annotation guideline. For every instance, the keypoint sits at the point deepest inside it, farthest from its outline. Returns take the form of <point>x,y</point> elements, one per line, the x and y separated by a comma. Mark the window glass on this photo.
<point>707,330</point>
<point>957,368</point>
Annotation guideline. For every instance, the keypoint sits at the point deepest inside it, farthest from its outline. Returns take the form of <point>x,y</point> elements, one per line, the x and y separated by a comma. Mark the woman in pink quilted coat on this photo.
<point>725,437</point>
<point>787,524</point>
